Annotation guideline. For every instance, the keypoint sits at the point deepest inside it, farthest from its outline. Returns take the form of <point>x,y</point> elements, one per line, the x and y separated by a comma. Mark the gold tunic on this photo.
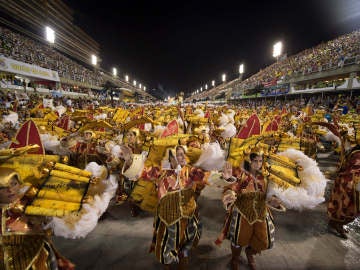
<point>176,205</point>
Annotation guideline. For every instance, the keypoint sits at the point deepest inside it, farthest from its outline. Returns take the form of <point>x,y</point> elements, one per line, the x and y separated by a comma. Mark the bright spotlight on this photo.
<point>114,72</point>
<point>213,82</point>
<point>126,78</point>
<point>50,34</point>
<point>134,82</point>
<point>277,49</point>
<point>223,77</point>
<point>241,69</point>
<point>93,59</point>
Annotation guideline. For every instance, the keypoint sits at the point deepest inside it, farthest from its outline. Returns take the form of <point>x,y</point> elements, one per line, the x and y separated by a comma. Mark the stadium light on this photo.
<point>201,89</point>
<point>144,88</point>
<point>50,34</point>
<point>206,86</point>
<point>93,59</point>
<point>140,85</point>
<point>126,78</point>
<point>134,82</point>
<point>277,49</point>
<point>223,77</point>
<point>241,69</point>
<point>213,83</point>
<point>114,72</point>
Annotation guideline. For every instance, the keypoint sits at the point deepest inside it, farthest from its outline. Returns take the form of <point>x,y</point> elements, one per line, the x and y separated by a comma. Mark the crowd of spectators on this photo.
<point>329,102</point>
<point>21,48</point>
<point>327,55</point>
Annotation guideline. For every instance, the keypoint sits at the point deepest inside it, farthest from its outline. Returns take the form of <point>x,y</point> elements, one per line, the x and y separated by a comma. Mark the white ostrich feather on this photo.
<point>212,157</point>
<point>311,191</point>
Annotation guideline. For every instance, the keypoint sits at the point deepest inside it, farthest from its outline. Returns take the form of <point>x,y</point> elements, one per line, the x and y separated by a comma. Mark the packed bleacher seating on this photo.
<point>21,48</point>
<point>333,54</point>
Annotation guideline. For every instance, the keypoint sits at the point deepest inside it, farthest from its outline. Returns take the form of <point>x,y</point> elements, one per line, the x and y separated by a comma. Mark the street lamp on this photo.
<point>50,34</point>
<point>213,83</point>
<point>277,49</point>
<point>223,77</point>
<point>126,78</point>
<point>114,72</point>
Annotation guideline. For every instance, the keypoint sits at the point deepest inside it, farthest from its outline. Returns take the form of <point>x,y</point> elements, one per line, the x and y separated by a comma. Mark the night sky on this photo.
<point>182,45</point>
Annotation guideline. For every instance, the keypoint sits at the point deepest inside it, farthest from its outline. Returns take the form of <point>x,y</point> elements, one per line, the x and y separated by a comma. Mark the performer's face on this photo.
<point>180,156</point>
<point>256,163</point>
<point>130,136</point>
<point>88,136</point>
<point>173,162</point>
<point>10,193</point>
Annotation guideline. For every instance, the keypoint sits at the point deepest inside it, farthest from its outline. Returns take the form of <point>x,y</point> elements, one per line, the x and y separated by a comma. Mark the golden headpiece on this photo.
<point>134,130</point>
<point>93,134</point>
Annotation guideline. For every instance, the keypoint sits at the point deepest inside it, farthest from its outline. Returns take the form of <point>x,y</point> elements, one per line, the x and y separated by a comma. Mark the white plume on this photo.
<point>311,191</point>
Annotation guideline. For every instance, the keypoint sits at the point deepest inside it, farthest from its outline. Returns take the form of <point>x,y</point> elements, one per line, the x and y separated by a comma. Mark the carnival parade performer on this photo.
<point>344,203</point>
<point>24,244</point>
<point>177,228</point>
<point>249,222</point>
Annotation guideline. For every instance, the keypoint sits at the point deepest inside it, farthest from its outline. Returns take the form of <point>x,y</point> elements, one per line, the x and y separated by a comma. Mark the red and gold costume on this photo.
<point>249,221</point>
<point>23,242</point>
<point>344,203</point>
<point>85,152</point>
<point>176,225</point>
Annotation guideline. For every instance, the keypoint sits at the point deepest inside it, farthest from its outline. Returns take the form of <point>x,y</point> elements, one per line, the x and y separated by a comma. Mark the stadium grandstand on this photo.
<point>63,67</point>
<point>332,67</point>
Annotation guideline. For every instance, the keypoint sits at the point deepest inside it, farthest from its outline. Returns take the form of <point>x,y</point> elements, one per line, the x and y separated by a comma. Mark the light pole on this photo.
<point>213,83</point>
<point>114,72</point>
<point>223,78</point>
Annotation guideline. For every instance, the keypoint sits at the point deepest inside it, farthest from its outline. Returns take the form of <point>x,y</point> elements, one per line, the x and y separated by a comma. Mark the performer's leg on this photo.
<point>183,263</point>
<point>262,239</point>
<point>338,227</point>
<point>134,209</point>
<point>250,257</point>
<point>235,257</point>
